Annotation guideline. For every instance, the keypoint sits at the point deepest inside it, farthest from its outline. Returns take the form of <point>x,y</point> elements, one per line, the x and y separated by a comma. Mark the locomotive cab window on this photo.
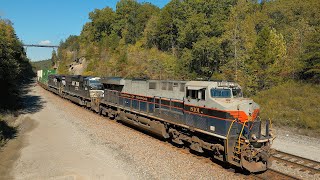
<point>94,81</point>
<point>202,94</point>
<point>236,92</point>
<point>199,94</point>
<point>220,93</point>
<point>192,94</point>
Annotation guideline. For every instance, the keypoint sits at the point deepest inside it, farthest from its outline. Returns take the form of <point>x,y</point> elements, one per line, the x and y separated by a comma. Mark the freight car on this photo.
<point>207,116</point>
<point>42,75</point>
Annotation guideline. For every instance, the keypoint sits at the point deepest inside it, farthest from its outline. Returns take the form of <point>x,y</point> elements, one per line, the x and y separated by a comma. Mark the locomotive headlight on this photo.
<point>270,134</point>
<point>253,137</point>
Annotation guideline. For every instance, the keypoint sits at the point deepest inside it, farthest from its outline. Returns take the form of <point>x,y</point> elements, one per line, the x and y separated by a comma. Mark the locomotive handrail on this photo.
<point>240,136</point>
<point>230,128</point>
<point>227,143</point>
<point>270,121</point>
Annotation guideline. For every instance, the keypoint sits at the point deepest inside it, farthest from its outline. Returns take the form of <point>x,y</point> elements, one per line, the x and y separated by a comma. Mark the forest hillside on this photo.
<point>262,45</point>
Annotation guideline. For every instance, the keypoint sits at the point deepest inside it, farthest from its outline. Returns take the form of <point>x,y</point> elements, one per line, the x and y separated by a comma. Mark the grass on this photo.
<point>292,104</point>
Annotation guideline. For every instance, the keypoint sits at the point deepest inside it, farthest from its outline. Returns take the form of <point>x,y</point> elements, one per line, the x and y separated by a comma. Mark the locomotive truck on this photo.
<point>206,116</point>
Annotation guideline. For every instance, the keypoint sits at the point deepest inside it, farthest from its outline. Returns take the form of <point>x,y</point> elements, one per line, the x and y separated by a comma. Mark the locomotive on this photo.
<point>206,116</point>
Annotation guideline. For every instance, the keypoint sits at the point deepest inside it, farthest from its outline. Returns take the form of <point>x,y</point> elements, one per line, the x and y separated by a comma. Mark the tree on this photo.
<point>54,58</point>
<point>131,19</point>
<point>267,60</point>
<point>150,34</point>
<point>204,58</point>
<point>102,21</point>
<point>168,26</point>
<point>14,65</point>
<point>311,57</point>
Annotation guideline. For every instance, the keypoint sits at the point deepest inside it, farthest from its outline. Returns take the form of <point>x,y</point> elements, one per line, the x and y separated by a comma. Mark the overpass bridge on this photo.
<point>37,45</point>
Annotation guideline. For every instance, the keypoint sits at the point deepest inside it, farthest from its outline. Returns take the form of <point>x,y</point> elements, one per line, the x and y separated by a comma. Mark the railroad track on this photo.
<point>296,162</point>
<point>273,174</point>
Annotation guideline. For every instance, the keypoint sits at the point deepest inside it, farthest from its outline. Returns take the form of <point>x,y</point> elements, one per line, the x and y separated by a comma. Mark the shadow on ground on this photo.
<point>22,102</point>
<point>19,102</point>
<point>7,132</point>
<point>31,104</point>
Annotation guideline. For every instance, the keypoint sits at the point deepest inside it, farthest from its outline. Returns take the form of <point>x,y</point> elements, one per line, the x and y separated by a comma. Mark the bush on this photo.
<point>292,104</point>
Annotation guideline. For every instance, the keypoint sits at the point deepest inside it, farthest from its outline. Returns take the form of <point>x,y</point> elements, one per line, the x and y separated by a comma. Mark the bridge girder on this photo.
<point>36,45</point>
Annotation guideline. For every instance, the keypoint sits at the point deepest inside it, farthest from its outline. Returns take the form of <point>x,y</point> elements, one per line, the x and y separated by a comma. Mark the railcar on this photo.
<point>83,90</point>
<point>207,116</point>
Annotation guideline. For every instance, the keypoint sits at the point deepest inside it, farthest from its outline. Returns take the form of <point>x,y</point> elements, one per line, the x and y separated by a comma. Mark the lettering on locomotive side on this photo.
<point>195,110</point>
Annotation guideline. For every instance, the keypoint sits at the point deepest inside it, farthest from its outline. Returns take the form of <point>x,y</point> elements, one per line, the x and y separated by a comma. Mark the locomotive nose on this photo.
<point>249,108</point>
<point>254,110</point>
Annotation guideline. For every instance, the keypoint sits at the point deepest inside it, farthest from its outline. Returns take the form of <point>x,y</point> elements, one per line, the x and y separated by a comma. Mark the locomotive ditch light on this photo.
<point>253,137</point>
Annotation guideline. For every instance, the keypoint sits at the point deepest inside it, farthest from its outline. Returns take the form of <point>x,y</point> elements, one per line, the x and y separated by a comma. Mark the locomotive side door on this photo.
<point>194,103</point>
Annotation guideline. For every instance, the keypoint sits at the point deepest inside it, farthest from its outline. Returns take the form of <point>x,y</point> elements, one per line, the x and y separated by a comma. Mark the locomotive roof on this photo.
<point>112,80</point>
<point>197,84</point>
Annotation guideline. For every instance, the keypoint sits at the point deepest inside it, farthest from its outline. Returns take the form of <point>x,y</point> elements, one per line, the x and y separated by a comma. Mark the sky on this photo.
<point>47,22</point>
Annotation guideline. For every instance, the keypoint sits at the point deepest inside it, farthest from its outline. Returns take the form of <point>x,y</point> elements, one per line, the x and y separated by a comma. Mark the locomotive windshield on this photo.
<point>220,93</point>
<point>91,81</point>
<point>236,92</point>
<point>95,84</point>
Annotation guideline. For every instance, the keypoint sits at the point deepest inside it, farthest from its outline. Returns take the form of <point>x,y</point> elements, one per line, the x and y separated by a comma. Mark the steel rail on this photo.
<point>302,163</point>
<point>273,174</point>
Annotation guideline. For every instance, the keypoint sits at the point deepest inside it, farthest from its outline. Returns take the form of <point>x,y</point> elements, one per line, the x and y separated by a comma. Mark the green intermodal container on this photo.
<point>45,74</point>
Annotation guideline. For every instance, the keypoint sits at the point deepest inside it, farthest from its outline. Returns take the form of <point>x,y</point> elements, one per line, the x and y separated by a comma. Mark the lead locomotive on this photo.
<point>207,116</point>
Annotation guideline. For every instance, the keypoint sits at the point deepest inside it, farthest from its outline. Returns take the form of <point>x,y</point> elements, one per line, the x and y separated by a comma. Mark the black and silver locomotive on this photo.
<point>207,116</point>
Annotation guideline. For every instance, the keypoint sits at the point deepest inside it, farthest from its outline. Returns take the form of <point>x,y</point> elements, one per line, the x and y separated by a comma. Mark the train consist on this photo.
<point>206,116</point>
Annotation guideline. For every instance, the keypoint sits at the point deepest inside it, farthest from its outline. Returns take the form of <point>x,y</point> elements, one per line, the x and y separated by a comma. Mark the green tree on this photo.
<point>311,57</point>
<point>131,19</point>
<point>102,21</point>
<point>150,34</point>
<point>205,57</point>
<point>268,58</point>
<point>168,26</point>
<point>54,58</point>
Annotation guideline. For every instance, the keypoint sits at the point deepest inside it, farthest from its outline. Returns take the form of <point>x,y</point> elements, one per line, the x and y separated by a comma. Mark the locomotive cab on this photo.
<point>222,95</point>
<point>95,88</point>
<point>249,146</point>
